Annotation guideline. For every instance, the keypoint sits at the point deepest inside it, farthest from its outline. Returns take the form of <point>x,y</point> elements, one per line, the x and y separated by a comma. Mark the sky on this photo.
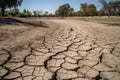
<point>52,5</point>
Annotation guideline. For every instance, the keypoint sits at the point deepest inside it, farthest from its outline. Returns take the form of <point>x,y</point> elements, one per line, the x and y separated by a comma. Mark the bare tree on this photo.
<point>106,7</point>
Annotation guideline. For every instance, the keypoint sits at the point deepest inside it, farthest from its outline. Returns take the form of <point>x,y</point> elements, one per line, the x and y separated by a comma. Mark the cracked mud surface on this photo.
<point>71,50</point>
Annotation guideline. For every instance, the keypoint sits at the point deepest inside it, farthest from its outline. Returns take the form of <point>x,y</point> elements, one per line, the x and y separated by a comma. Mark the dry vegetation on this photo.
<point>115,21</point>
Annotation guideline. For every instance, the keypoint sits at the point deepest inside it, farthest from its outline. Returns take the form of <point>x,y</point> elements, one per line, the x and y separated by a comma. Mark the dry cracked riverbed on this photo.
<point>69,50</point>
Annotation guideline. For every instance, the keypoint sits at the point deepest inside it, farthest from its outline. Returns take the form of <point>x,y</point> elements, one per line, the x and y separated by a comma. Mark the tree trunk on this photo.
<point>3,11</point>
<point>109,14</point>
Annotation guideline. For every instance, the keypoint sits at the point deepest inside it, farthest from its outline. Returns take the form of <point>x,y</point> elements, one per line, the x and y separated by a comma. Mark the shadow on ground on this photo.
<point>12,21</point>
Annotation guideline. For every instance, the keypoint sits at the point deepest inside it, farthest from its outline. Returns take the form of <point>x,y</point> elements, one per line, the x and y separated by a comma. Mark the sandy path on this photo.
<point>69,50</point>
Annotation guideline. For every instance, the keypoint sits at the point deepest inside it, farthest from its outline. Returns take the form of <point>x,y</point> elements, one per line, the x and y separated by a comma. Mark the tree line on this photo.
<point>111,8</point>
<point>15,12</point>
<point>85,10</point>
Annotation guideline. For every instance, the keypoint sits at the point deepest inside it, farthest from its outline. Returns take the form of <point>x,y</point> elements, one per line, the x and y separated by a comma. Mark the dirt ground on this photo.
<point>58,49</point>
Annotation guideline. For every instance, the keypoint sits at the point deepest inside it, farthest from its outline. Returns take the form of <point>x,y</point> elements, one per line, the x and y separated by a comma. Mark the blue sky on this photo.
<point>52,5</point>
